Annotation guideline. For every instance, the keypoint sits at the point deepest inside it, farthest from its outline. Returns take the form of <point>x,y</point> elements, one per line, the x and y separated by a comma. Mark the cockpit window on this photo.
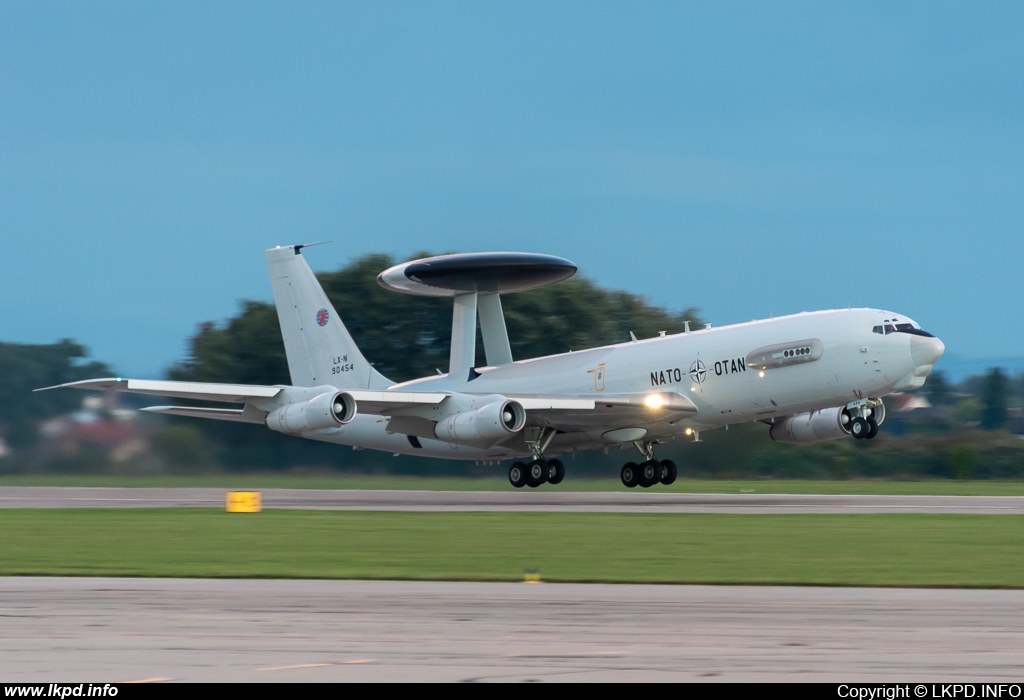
<point>890,327</point>
<point>910,328</point>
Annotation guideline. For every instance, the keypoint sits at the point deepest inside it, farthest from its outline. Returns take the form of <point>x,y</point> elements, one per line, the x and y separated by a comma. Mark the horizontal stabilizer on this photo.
<point>203,391</point>
<point>249,414</point>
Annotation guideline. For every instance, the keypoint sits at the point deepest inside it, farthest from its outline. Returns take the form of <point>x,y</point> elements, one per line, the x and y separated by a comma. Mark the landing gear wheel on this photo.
<point>630,475</point>
<point>668,471</point>
<point>556,471</point>
<point>650,473</point>
<point>872,429</point>
<point>859,428</point>
<point>536,473</point>
<point>517,475</point>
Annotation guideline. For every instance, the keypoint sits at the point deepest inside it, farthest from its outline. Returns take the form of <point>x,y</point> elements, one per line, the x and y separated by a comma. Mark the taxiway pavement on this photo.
<point>115,630</point>
<point>637,501</point>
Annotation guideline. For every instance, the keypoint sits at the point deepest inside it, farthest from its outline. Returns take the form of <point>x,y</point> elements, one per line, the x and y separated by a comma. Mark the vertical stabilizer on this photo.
<point>319,347</point>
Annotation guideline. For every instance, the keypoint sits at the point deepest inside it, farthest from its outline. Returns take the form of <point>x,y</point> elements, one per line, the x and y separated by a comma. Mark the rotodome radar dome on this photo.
<point>465,273</point>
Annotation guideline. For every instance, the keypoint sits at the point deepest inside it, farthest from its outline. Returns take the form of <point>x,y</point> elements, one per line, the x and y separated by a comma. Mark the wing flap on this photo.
<point>386,403</point>
<point>554,403</point>
<point>249,414</point>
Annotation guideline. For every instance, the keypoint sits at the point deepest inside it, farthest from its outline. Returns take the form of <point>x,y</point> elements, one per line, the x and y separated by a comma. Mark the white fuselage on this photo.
<point>708,366</point>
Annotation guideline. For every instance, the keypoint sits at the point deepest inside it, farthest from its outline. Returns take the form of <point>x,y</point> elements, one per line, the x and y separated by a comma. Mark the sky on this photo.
<point>746,158</point>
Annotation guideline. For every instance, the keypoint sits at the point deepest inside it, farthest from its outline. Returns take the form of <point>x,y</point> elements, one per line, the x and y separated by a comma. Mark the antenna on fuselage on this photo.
<point>475,282</point>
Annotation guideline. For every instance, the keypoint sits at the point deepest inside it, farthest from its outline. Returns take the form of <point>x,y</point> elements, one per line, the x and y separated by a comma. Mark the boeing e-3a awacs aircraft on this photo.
<point>811,376</point>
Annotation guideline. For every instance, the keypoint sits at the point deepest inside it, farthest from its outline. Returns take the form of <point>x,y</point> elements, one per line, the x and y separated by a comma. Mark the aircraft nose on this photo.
<point>926,351</point>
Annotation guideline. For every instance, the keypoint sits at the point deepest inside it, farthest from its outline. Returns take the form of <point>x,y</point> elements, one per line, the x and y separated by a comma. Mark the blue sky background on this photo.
<point>747,158</point>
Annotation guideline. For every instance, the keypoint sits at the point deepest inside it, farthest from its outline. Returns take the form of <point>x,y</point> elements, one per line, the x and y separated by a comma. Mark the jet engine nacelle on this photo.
<point>815,426</point>
<point>488,423</point>
<point>328,410</point>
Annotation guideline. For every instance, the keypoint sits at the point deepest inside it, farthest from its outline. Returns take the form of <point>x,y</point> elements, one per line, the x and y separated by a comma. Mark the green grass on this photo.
<point>500,483</point>
<point>857,550</point>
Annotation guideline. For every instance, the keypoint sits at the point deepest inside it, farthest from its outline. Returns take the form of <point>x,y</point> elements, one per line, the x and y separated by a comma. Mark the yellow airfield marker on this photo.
<point>243,502</point>
<point>532,576</point>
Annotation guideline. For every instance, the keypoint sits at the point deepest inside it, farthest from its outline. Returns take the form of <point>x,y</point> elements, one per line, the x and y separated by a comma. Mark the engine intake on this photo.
<point>328,410</point>
<point>489,423</point>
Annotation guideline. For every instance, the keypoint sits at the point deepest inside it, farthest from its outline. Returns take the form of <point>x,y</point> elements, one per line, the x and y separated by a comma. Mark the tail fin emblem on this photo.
<point>322,317</point>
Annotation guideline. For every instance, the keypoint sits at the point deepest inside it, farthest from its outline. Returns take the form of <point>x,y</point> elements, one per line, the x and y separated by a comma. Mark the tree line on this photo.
<point>406,337</point>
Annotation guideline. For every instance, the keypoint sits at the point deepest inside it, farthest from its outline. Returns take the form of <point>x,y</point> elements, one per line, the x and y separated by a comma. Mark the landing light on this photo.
<point>761,373</point>
<point>689,431</point>
<point>654,401</point>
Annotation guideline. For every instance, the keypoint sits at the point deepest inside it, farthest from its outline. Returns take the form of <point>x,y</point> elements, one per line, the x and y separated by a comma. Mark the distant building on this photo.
<point>101,422</point>
<point>1015,421</point>
<point>902,403</point>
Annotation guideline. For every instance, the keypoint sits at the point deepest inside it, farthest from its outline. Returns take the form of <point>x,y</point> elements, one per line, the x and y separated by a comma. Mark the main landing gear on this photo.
<point>650,471</point>
<point>539,471</point>
<point>647,474</point>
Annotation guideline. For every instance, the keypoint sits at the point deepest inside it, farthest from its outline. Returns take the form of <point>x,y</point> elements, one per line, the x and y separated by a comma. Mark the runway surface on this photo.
<point>116,630</point>
<point>637,501</point>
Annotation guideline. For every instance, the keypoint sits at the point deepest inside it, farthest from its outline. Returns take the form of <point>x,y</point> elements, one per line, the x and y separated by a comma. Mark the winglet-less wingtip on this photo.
<point>97,384</point>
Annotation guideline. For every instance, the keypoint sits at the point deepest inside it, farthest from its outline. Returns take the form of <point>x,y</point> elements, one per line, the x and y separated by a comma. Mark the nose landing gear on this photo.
<point>863,428</point>
<point>863,423</point>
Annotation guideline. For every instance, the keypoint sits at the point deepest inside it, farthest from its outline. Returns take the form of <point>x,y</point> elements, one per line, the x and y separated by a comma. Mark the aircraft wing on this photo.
<point>667,400</point>
<point>572,413</point>
<point>376,402</point>
<point>561,411</point>
<point>386,403</point>
<point>202,391</point>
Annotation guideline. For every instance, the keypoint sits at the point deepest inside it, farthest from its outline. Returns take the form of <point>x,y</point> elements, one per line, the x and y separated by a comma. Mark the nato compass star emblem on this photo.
<point>322,316</point>
<point>698,372</point>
